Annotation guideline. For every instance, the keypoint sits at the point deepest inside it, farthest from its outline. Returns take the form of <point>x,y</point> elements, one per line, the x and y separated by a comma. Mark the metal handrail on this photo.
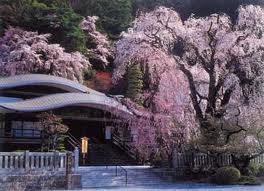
<point>123,169</point>
<point>122,144</point>
<point>74,138</point>
<point>73,141</point>
<point>73,144</point>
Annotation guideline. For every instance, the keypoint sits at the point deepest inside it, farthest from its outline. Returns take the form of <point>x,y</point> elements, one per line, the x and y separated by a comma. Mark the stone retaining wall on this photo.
<point>33,182</point>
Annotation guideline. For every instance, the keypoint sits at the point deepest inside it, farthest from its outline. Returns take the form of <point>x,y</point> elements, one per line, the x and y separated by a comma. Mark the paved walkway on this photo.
<point>182,187</point>
<point>100,176</point>
<point>141,178</point>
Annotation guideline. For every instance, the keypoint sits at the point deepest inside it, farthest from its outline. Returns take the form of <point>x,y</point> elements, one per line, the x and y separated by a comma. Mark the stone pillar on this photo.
<point>56,160</point>
<point>26,160</point>
<point>69,165</point>
<point>76,158</point>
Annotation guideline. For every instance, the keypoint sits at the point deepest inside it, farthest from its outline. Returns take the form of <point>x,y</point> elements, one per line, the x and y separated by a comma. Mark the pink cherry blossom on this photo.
<point>201,71</point>
<point>24,52</point>
<point>101,50</point>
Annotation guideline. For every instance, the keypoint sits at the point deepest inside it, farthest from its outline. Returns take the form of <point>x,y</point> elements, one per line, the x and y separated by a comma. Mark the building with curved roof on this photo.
<point>55,101</point>
<point>87,113</point>
<point>44,80</point>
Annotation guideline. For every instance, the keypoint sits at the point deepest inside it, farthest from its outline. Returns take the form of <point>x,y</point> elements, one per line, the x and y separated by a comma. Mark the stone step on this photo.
<point>102,154</point>
<point>94,177</point>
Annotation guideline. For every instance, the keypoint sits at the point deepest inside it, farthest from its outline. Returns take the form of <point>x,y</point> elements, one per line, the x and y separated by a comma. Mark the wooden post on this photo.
<point>69,164</point>
<point>76,159</point>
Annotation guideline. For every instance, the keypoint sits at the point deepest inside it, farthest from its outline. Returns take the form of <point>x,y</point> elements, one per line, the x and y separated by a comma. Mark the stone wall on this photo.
<point>33,182</point>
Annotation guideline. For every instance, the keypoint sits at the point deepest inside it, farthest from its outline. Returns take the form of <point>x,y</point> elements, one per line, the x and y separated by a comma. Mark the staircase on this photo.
<point>112,176</point>
<point>107,154</point>
<point>101,153</point>
<point>73,141</point>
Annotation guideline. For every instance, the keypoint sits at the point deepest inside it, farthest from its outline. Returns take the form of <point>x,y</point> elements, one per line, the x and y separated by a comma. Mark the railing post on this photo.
<point>126,177</point>
<point>76,158</point>
<point>26,160</point>
<point>1,162</point>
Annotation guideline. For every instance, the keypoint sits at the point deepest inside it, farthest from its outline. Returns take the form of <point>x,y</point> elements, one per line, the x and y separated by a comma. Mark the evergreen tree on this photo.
<point>1,28</point>
<point>134,82</point>
<point>46,16</point>
<point>149,4</point>
<point>115,15</point>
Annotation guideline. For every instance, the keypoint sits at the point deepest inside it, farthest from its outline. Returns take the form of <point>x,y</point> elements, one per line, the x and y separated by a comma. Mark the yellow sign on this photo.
<point>85,145</point>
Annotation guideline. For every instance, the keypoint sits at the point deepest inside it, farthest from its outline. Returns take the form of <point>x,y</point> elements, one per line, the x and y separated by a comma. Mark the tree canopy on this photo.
<point>44,16</point>
<point>24,52</point>
<point>114,16</point>
<point>218,63</point>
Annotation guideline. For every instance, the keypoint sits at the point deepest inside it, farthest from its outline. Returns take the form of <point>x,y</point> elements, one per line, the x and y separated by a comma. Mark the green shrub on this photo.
<point>115,16</point>
<point>254,169</point>
<point>249,180</point>
<point>1,27</point>
<point>257,170</point>
<point>134,82</point>
<point>89,74</point>
<point>260,171</point>
<point>61,143</point>
<point>226,175</point>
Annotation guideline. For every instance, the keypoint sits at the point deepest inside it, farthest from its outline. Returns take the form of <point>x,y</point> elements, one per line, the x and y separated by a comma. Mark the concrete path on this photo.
<point>181,187</point>
<point>97,177</point>
<point>141,178</point>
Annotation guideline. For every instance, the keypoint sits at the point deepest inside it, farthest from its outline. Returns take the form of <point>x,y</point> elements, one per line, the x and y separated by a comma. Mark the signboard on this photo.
<point>108,135</point>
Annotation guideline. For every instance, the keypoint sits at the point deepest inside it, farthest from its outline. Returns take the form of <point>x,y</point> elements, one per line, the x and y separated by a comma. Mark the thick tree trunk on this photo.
<point>170,160</point>
<point>242,164</point>
<point>216,164</point>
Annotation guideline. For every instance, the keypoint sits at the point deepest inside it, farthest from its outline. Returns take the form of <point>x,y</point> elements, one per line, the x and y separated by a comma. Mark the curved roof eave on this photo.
<point>56,101</point>
<point>46,80</point>
<point>9,99</point>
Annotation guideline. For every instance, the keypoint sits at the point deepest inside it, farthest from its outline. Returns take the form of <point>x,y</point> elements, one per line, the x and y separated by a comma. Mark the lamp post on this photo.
<point>85,142</point>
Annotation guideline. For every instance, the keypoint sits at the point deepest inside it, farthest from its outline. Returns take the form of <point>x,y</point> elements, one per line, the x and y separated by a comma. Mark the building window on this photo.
<point>2,128</point>
<point>25,129</point>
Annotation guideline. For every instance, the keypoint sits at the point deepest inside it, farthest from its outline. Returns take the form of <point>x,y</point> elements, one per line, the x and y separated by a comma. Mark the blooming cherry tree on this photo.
<point>164,96</point>
<point>164,81</point>
<point>217,63</point>
<point>155,136</point>
<point>100,51</point>
<point>52,128</point>
<point>29,52</point>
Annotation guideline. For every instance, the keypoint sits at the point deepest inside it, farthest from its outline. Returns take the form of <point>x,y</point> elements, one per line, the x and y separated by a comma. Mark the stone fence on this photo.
<point>196,160</point>
<point>53,161</point>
